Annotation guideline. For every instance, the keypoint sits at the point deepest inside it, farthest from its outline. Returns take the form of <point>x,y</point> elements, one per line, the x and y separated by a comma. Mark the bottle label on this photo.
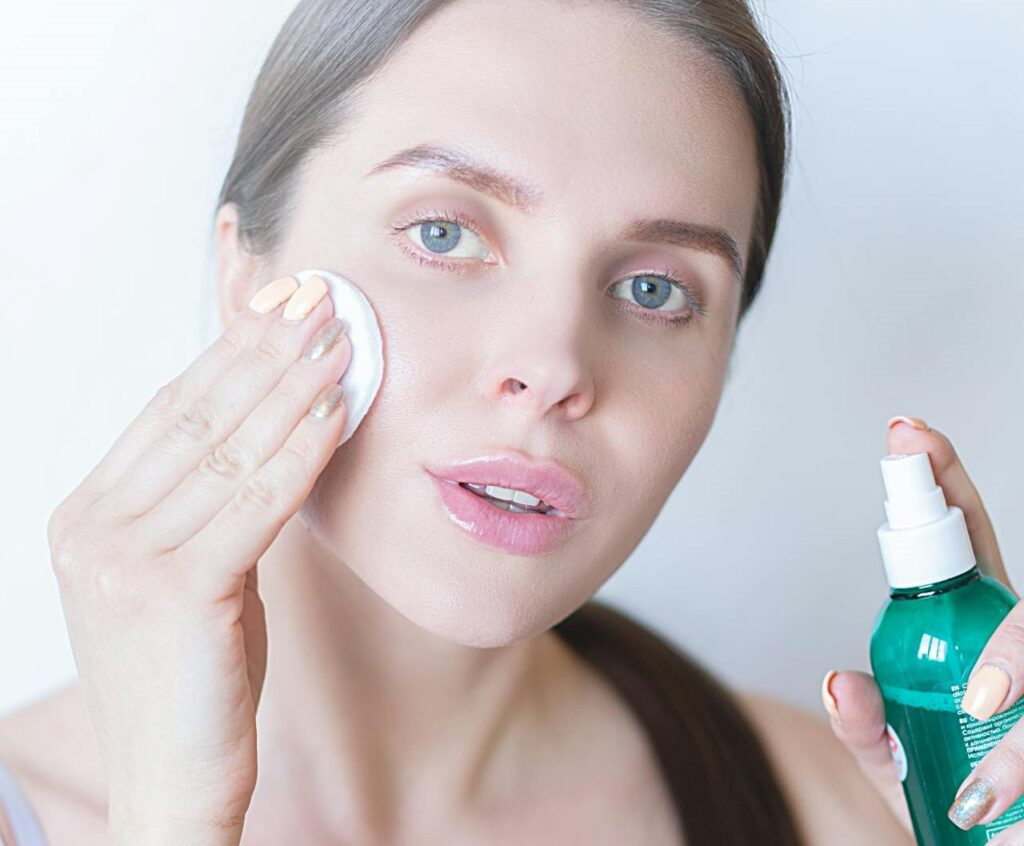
<point>899,754</point>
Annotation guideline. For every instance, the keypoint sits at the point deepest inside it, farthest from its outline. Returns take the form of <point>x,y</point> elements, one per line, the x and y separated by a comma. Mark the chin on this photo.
<point>485,599</point>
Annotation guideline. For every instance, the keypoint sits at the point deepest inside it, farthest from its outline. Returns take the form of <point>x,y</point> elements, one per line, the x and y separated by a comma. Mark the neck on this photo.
<point>367,719</point>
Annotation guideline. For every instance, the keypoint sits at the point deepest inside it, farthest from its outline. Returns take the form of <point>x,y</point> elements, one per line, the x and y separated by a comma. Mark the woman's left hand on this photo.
<point>998,778</point>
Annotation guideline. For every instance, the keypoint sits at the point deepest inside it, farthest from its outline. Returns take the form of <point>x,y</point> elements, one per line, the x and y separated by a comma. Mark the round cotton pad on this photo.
<point>365,372</point>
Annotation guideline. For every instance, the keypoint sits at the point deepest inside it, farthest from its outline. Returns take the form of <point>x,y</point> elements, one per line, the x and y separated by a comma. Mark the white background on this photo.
<point>894,287</point>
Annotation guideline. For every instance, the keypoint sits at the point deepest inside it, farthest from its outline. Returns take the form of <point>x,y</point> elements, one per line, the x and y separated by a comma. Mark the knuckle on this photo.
<point>230,345</point>
<point>196,424</point>
<point>1008,759</point>
<point>301,449</point>
<point>65,559</point>
<point>258,493</point>
<point>97,568</point>
<point>109,585</point>
<point>269,349</point>
<point>77,564</point>
<point>56,526</point>
<point>291,392</point>
<point>122,591</point>
<point>1013,628</point>
<point>1007,641</point>
<point>167,399</point>
<point>227,461</point>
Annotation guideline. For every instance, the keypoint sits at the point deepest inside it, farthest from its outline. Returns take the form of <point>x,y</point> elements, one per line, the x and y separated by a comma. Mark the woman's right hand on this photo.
<point>857,712</point>
<point>155,555</point>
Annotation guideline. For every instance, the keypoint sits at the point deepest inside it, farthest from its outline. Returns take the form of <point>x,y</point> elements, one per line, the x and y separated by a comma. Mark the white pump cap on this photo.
<point>923,541</point>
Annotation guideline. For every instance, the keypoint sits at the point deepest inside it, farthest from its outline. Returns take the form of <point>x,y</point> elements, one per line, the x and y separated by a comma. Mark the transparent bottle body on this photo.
<point>925,642</point>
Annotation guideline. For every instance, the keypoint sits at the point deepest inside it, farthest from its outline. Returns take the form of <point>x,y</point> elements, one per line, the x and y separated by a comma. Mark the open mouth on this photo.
<point>508,504</point>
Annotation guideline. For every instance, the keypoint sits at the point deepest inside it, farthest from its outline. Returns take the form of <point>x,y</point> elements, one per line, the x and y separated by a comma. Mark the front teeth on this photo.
<point>518,497</point>
<point>506,494</point>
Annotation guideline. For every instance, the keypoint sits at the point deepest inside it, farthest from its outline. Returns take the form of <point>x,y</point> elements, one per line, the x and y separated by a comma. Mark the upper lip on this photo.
<point>545,479</point>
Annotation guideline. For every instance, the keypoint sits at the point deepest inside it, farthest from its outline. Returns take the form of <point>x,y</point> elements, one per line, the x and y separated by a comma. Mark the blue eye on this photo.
<point>441,234</point>
<point>651,292</point>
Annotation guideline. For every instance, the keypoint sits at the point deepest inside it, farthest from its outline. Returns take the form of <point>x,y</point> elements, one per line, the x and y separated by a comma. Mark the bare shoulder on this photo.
<point>833,801</point>
<point>50,748</point>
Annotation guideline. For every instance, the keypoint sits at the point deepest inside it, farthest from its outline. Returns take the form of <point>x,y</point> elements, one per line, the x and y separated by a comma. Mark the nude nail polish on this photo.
<point>986,691</point>
<point>270,296</point>
<point>305,298</point>
<point>916,422</point>
<point>827,699</point>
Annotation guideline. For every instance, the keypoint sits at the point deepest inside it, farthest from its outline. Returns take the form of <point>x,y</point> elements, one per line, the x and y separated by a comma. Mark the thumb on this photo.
<point>857,713</point>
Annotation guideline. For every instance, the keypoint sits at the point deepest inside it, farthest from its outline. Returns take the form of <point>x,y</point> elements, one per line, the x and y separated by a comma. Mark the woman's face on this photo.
<point>607,122</point>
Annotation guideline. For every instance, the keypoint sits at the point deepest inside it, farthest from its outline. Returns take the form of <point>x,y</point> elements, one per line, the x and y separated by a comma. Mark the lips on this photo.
<point>522,534</point>
<point>545,479</point>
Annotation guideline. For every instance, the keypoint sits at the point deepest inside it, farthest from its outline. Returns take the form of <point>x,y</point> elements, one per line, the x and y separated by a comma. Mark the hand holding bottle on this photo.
<point>155,554</point>
<point>860,721</point>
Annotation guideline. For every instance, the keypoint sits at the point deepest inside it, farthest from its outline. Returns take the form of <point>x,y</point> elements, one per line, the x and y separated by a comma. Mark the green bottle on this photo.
<point>940,613</point>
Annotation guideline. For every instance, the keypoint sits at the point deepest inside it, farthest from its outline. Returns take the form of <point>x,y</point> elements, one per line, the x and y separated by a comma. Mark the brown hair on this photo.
<point>724,786</point>
<point>720,778</point>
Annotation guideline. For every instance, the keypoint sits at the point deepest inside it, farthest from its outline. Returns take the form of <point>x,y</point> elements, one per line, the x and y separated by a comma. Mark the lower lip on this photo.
<point>518,533</point>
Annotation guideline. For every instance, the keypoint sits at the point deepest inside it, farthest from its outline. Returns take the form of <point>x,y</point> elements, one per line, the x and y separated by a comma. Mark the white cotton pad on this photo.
<point>365,373</point>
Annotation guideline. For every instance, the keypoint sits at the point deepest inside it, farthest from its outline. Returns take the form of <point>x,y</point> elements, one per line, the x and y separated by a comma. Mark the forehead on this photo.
<point>590,101</point>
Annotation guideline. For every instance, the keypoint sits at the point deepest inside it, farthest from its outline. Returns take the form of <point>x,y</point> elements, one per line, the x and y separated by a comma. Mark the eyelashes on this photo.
<point>429,258</point>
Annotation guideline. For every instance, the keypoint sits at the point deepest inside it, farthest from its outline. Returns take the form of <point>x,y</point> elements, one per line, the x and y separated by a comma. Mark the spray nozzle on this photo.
<point>924,542</point>
<point>911,496</point>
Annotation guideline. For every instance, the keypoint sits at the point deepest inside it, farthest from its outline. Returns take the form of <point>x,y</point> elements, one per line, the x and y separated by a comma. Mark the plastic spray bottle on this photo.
<point>940,613</point>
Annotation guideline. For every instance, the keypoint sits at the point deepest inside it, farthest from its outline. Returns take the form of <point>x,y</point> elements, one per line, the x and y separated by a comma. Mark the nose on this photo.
<point>542,364</point>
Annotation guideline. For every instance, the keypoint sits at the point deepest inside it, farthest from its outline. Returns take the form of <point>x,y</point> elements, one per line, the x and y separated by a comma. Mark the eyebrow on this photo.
<point>526,196</point>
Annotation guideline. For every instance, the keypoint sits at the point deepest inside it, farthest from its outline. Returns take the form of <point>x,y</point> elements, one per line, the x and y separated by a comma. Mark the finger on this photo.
<point>861,726</point>
<point>905,437</point>
<point>261,505</point>
<point>208,488</point>
<point>995,782</point>
<point>207,423</point>
<point>996,680</point>
<point>175,396</point>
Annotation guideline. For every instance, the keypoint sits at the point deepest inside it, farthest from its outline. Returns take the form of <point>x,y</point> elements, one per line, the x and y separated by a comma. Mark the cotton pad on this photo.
<point>365,373</point>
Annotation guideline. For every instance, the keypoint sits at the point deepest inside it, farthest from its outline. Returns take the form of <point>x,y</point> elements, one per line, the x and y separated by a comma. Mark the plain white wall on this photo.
<point>894,287</point>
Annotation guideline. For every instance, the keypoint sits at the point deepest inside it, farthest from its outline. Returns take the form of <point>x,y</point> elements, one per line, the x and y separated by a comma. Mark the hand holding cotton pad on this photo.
<point>362,379</point>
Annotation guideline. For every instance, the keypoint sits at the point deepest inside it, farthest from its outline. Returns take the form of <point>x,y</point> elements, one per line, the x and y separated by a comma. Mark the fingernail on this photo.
<point>826,694</point>
<point>916,422</point>
<point>328,401</point>
<point>271,296</point>
<point>309,294</point>
<point>972,803</point>
<point>986,692</point>
<point>325,339</point>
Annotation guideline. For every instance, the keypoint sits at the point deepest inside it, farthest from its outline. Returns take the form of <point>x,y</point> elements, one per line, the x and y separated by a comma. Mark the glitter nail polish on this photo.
<point>972,803</point>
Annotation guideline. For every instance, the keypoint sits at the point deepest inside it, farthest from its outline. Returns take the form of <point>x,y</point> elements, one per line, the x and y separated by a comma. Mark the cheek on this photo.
<point>656,427</point>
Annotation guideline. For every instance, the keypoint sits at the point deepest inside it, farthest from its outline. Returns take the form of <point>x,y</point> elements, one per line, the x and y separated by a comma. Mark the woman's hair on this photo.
<point>721,781</point>
<point>723,785</point>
